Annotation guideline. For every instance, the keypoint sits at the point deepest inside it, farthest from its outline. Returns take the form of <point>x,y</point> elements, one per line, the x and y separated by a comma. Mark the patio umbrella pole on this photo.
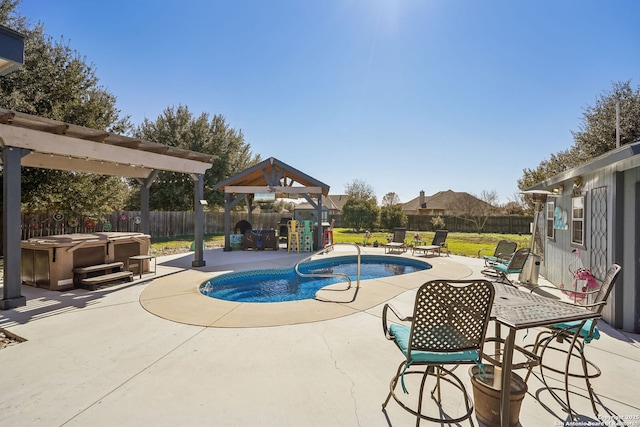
<point>536,214</point>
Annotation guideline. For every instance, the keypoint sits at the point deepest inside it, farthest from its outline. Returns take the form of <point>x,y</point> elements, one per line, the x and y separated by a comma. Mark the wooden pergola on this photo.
<point>270,177</point>
<point>37,142</point>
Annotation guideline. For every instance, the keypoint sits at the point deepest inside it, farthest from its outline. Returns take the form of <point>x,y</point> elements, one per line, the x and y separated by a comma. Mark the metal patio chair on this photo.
<point>577,334</point>
<point>448,328</point>
<point>398,243</point>
<point>502,271</point>
<point>502,254</point>
<point>438,243</point>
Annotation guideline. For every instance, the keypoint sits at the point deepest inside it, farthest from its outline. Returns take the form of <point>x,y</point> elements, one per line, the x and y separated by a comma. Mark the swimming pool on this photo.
<point>279,285</point>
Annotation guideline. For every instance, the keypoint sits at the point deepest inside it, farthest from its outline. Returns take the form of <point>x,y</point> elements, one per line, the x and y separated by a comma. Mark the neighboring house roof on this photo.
<point>446,201</point>
<point>333,202</point>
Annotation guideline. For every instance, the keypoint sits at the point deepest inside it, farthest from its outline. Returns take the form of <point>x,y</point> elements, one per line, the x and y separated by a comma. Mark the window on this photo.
<point>551,209</point>
<point>577,220</point>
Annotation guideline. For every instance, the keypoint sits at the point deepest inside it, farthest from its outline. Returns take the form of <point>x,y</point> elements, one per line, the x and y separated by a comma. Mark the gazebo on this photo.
<point>33,141</point>
<point>270,177</point>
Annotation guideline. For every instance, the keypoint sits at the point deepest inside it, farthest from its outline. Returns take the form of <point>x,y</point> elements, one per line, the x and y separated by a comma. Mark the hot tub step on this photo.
<point>93,282</point>
<point>91,271</point>
<point>114,266</point>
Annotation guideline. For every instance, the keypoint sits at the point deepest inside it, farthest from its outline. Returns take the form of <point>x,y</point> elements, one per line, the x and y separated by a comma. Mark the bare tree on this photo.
<point>477,210</point>
<point>489,196</point>
<point>391,199</point>
<point>515,206</point>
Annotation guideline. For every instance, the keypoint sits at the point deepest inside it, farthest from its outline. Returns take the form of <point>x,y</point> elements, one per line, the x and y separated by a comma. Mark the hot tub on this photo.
<point>49,261</point>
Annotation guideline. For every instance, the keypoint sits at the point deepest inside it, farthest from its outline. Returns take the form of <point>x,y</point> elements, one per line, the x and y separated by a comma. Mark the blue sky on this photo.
<point>405,95</point>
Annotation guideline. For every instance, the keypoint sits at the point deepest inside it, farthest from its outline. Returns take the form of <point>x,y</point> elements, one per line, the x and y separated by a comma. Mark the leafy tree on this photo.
<point>93,195</point>
<point>360,214</point>
<point>283,205</point>
<point>437,223</point>
<point>596,134</point>
<point>179,128</point>
<point>360,211</point>
<point>392,216</point>
<point>360,190</point>
<point>56,82</point>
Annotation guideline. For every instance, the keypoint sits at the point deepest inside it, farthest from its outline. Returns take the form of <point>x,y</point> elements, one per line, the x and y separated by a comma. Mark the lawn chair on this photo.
<point>501,271</point>
<point>437,244</point>
<point>577,334</point>
<point>448,327</point>
<point>398,243</point>
<point>502,254</point>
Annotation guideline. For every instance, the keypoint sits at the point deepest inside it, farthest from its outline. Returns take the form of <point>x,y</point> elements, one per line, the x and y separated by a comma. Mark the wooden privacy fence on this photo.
<point>172,223</point>
<point>495,224</point>
<point>162,223</point>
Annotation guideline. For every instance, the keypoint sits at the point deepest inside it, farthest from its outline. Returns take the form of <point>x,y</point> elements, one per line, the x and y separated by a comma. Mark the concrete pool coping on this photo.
<point>176,296</point>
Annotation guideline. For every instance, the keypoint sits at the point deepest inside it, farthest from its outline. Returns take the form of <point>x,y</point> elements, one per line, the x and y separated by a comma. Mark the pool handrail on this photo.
<point>334,274</point>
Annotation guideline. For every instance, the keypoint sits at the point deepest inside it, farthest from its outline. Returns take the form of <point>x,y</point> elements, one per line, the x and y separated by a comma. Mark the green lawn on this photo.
<point>467,244</point>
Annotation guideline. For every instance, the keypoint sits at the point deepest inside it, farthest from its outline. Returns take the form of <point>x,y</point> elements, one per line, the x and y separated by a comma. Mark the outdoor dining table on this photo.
<point>518,310</point>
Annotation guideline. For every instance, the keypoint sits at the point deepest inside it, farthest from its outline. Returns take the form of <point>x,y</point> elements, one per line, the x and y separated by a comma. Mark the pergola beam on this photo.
<point>51,161</point>
<point>64,145</point>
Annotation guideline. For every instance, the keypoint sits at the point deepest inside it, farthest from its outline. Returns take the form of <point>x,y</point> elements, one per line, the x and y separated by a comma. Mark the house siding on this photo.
<point>629,298</point>
<point>617,232</point>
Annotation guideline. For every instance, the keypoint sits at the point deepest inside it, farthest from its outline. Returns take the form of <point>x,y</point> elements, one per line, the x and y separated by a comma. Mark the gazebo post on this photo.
<point>320,231</point>
<point>249,201</point>
<point>228,205</point>
<point>227,222</point>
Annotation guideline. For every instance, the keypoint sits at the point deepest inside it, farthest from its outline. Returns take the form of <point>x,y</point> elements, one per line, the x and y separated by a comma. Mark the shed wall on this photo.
<point>610,236</point>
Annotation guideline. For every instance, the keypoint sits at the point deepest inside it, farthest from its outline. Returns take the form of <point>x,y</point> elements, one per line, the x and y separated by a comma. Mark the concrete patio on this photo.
<point>155,352</point>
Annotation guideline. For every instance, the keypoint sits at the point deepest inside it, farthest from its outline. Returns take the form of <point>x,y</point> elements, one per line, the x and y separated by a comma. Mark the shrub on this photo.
<point>437,223</point>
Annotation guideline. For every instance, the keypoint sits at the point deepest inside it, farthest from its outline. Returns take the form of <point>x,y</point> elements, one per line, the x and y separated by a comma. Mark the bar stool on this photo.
<point>293,235</point>
<point>328,235</point>
<point>307,236</point>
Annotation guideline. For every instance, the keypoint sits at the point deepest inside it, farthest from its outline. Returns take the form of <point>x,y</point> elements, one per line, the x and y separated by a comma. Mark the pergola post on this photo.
<point>145,185</point>
<point>11,217</point>
<point>198,208</point>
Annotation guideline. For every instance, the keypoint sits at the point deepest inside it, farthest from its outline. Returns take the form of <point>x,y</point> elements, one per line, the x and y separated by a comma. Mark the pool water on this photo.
<point>278,285</point>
